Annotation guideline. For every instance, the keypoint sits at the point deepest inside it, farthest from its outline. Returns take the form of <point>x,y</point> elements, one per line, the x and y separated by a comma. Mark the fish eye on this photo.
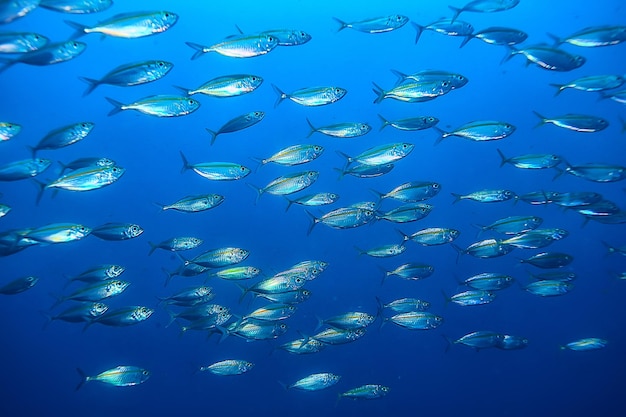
<point>190,102</point>
<point>144,372</point>
<point>75,45</point>
<point>445,83</point>
<point>435,185</point>
<point>283,326</point>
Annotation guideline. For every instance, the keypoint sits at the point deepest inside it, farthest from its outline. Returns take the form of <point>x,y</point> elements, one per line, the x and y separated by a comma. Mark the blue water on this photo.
<point>39,376</point>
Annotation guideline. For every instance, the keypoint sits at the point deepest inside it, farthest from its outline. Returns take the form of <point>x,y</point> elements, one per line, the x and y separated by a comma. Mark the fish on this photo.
<point>96,292</point>
<point>23,169</point>
<point>484,6</point>
<point>406,213</point>
<point>497,36</point>
<point>380,155</point>
<point>385,251</point>
<point>367,392</point>
<point>576,122</point>
<point>410,123</point>
<point>548,57</point>
<point>471,298</point>
<point>596,172</point>
<point>194,203</point>
<point>83,312</point>
<point>228,367</point>
<point>287,184</point>
<point>21,42</point>
<point>313,200</point>
<point>276,285</point>
<point>413,91</point>
<point>555,276</point>
<point>480,131</point>
<point>333,336</point>
<point>135,73</point>
<point>315,382</point>
<point>125,316</point>
<point>455,80</point>
<point>411,271</point>
<point>18,285</point>
<point>216,171</point>
<point>272,312</point>
<point>486,196</point>
<point>489,281</point>
<point>176,244</point>
<point>412,192</point>
<point>212,323</point>
<point>595,36</point>
<point>535,239</point>
<point>513,225</point>
<point>226,86</point>
<point>50,54</point>
<point>289,37</point>
<point>531,161</point>
<point>236,273</point>
<point>117,231</point>
<point>511,342</point>
<point>549,288</point>
<point>76,6</point>
<point>449,27</point>
<point>256,331</point>
<point>597,83</point>
<point>341,130</point>
<point>416,320</point>
<point>9,130</point>
<point>432,236</point>
<point>479,340</point>
<point>217,258</point>
<point>405,305</point>
<point>190,297</point>
<point>485,249</point>
<point>87,162</point>
<point>98,273</point>
<point>575,198</point>
<point>243,46</point>
<point>14,9</point>
<point>159,106</point>
<point>4,210</point>
<point>88,179</point>
<point>620,250</point>
<point>342,218</point>
<point>365,171</point>
<point>288,297</point>
<point>586,344</point>
<point>238,123</point>
<point>375,25</point>
<point>58,233</point>
<point>129,25</point>
<point>64,136</point>
<point>311,96</point>
<point>548,260</point>
<point>198,312</point>
<point>120,376</point>
<point>348,321</point>
<point>294,155</point>
<point>303,346</point>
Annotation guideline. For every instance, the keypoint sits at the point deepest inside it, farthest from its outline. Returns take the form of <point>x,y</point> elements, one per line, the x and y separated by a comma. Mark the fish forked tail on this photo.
<point>457,11</point>
<point>314,221</point>
<point>83,379</point>
<point>557,41</point>
<point>153,247</point>
<point>419,29</point>
<point>117,106</point>
<point>92,84</point>
<point>348,159</point>
<point>281,95</point>
<point>466,39</point>
<point>48,318</point>
<point>503,159</point>
<point>313,128</point>
<point>543,120</point>
<point>289,203</point>
<point>342,24</point>
<point>212,134</point>
<point>185,91</point>
<point>200,49</point>
<point>41,188</point>
<point>385,122</point>
<point>258,190</point>
<point>442,135</point>
<point>380,93</point>
<point>559,88</point>
<point>511,51</point>
<point>80,29</point>
<point>457,197</point>
<point>401,76</point>
<point>186,165</point>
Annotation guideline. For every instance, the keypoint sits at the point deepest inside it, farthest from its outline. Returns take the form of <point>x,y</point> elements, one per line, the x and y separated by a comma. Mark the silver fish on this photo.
<point>58,233</point>
<point>595,36</point>
<point>549,288</point>
<point>549,260</point>
<point>20,42</point>
<point>238,123</point>
<point>216,171</point>
<point>18,285</point>
<point>586,344</point>
<point>414,91</point>
<point>341,130</point>
<point>9,130</point>
<point>513,225</point>
<point>176,244</point>
<point>120,376</point>
<point>592,83</point>
<point>159,106</point>
<point>486,196</point>
<point>88,179</point>
<point>309,200</point>
<point>76,6</point>
<point>548,57</point>
<point>228,367</point>
<point>243,46</point>
<point>406,213</point>
<point>498,36</point>
<point>376,25</point>
<point>449,27</point>
<point>479,340</point>
<point>316,382</point>
<point>432,236</point>
<point>480,131</point>
<point>412,192</point>
<point>380,155</point>
<point>311,96</point>
<point>416,320</point>
<point>531,161</point>
<point>484,6</point>
<point>194,203</point>
<point>122,317</point>
<point>23,169</point>
<point>411,271</point>
<point>489,281</point>
<point>576,122</point>
<point>472,298</point>
<point>288,184</point>
<point>367,392</point>
<point>226,86</point>
<point>64,136</point>
<point>455,80</point>
<point>117,231</point>
<point>135,73</point>
<point>217,258</point>
<point>49,54</point>
<point>129,25</point>
<point>411,123</point>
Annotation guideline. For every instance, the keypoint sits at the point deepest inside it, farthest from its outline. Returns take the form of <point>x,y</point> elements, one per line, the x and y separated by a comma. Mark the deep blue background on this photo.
<point>39,374</point>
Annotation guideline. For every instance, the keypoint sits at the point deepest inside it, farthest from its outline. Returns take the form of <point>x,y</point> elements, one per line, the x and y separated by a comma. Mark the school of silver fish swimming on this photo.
<point>193,307</point>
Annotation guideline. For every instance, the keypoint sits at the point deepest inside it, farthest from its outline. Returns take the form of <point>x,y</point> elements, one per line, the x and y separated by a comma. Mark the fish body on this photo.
<point>89,178</point>
<point>341,130</point>
<point>117,231</point>
<point>229,367</point>
<point>83,312</point>
<point>59,233</point>
<point>489,281</point>
<point>87,162</point>
<point>64,136</point>
<point>289,37</point>
<point>288,297</point>
<point>295,155</point>
<point>131,74</point>
<point>576,122</point>
<point>227,86</point>
<point>513,225</point>
<point>125,316</point>
<point>365,171</point>
<point>333,336</point>
<point>487,248</point>
<point>531,161</point>
<point>98,291</point>
<point>414,91</point>
<point>376,25</point>
<point>311,96</point>
<point>120,376</point>
<point>383,251</point>
<point>549,58</point>
<point>76,6</point>
<point>278,284</point>
<point>535,239</point>
<point>406,213</point>
<point>238,123</point>
<point>417,320</point>
<point>433,236</point>
<point>23,169</point>
<point>176,244</point>
<point>18,285</point>
<point>130,25</point>
<point>21,42</point>
<point>343,218</point>
<point>512,342</point>
<point>236,273</point>
<point>405,305</point>
<point>498,36</point>
<point>480,131</point>
<point>217,258</point>
<point>348,321</point>
<point>455,80</point>
<point>303,346</point>
<point>411,123</point>
<point>195,203</point>
<point>381,155</point>
<point>480,340</point>
<point>51,53</point>
<point>549,288</point>
<point>99,273</point>
<point>250,330</point>
<point>243,46</point>
<point>484,6</point>
<point>598,172</point>
<point>8,130</point>
<point>272,312</point>
<point>472,298</point>
<point>159,106</point>
<point>595,36</point>
<point>316,382</point>
<point>366,392</point>
<point>448,27</point>
<point>412,192</point>
<point>575,198</point>
<point>289,184</point>
<point>189,297</point>
<point>411,271</point>
<point>486,196</point>
<point>313,200</point>
<point>586,344</point>
<point>549,260</point>
<point>592,83</point>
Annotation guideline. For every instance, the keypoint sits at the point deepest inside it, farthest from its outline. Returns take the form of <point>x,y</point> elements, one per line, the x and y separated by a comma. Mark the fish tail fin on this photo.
<point>510,53</point>
<point>92,84</point>
<point>442,135</point>
<point>320,323</point>
<point>542,121</point>
<point>401,76</point>
<point>8,65</point>
<point>379,195</point>
<point>380,93</point>
<point>503,159</point>
<point>559,88</point>
<point>80,29</point>
<point>380,307</point>
<point>314,221</point>
<point>466,39</point>
<point>556,39</point>
<point>385,122</point>
<point>212,134</point>
<point>610,249</point>
<point>259,192</point>
<point>361,251</point>
<point>457,198</point>
<point>260,162</point>
<point>559,172</point>
<point>244,291</point>
<point>42,188</point>
<point>480,228</point>
<point>186,165</point>
<point>153,247</point>
<point>342,24</point>
<point>172,317</point>
<point>289,203</point>
<point>419,29</point>
<point>200,49</point>
<point>282,384</point>
<point>183,90</point>
<point>623,124</point>
<point>168,276</point>
<point>117,106</point>
<point>405,237</point>
<point>33,150</point>
<point>457,11</point>
<point>445,297</point>
<point>83,378</point>
<point>348,161</point>
<point>48,318</point>
<point>459,252</point>
<point>449,343</point>
<point>281,95</point>
<point>385,274</point>
<point>313,129</point>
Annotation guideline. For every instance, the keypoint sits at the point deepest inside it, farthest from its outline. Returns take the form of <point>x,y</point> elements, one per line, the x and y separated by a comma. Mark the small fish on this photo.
<point>194,203</point>
<point>549,260</point>
<point>217,258</point>
<point>287,297</point>
<point>4,210</point>
<point>313,200</point>
<point>417,320</point>
<point>236,273</point>
<point>87,162</point>
<point>309,270</point>
<point>49,54</point>
<point>455,80</point>
<point>485,249</point>
<point>227,86</point>
<point>414,91</point>
<point>531,161</point>
<point>117,231</point>
<point>216,171</point>
<point>288,184</point>
<point>256,331</point>
<point>565,276</point>
<point>276,285</point>
<point>343,218</point>
<point>535,239</point>
<point>23,169</point>
<point>592,83</point>
<point>575,198</point>
<point>76,6</point>
<point>484,6</point>
<point>620,250</point>
<point>332,336</point>
<point>303,346</point>
<point>244,46</point>
<point>548,57</point>
<point>586,344</point>
<point>9,130</point>
<point>229,367</point>
<point>433,236</point>
<point>511,342</point>
<point>88,179</point>
<point>176,244</point>
<point>18,285</point>
<point>480,131</point>
<point>489,281</point>
<point>189,297</point>
<point>576,122</point>
<point>289,37</point>
<point>311,96</point>
<point>159,106</point>
<point>486,196</point>
<point>120,376</point>
<point>376,25</point>
<point>14,9</point>
<point>472,298</point>
<point>341,130</point>
<point>98,273</point>
<point>58,233</point>
<point>125,316</point>
<point>497,36</point>
<point>595,36</point>
<point>272,312</point>
<point>385,251</point>
<point>479,340</point>
<point>294,155</point>
<point>365,171</point>
<point>405,305</point>
<point>411,271</point>
<point>449,27</point>
<point>412,192</point>
<point>64,136</point>
<point>129,25</point>
<point>596,172</point>
<point>367,392</point>
<point>82,312</point>
<point>348,321</point>
<point>411,123</point>
<point>536,198</point>
<point>238,123</point>
<point>21,42</point>
<point>406,213</point>
<point>97,291</point>
<point>513,225</point>
<point>316,382</point>
<point>549,288</point>
<point>127,75</point>
<point>380,155</point>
